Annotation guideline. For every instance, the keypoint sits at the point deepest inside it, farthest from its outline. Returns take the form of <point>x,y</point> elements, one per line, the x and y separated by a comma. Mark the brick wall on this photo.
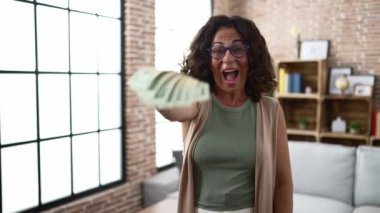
<point>235,7</point>
<point>352,27</point>
<point>139,120</point>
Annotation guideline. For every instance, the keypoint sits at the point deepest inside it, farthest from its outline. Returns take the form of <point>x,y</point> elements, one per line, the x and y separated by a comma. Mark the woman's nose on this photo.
<point>228,57</point>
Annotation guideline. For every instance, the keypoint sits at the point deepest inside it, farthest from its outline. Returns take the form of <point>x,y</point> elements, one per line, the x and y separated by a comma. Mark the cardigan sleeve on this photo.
<point>180,113</point>
<point>283,194</point>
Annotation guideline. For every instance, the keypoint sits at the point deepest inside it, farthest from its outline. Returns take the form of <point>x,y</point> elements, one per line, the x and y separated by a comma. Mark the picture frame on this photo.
<point>363,90</point>
<point>355,80</point>
<point>314,49</point>
<point>336,72</point>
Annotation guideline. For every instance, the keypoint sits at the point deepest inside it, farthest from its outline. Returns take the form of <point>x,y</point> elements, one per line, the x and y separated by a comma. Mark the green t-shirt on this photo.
<point>224,158</point>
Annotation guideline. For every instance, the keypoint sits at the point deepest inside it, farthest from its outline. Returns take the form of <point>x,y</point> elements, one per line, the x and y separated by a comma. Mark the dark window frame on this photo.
<point>122,127</point>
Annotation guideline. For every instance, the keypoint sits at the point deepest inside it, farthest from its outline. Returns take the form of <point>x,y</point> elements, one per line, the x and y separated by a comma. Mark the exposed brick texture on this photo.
<point>351,26</point>
<point>139,121</point>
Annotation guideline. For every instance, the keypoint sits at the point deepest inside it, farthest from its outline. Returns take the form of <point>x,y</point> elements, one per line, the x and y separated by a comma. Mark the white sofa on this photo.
<point>327,179</point>
<point>335,178</point>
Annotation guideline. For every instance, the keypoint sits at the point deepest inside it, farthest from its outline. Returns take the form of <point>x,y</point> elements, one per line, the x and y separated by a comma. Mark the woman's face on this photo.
<point>230,69</point>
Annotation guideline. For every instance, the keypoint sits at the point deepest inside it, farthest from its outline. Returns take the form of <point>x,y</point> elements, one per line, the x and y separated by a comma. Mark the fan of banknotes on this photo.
<point>166,89</point>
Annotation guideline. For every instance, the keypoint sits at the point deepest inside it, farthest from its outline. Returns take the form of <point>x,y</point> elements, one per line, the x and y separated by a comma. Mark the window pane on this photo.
<point>109,58</point>
<point>110,156</point>
<point>55,169</point>
<point>168,138</point>
<point>59,3</point>
<point>109,101</point>
<point>19,177</point>
<point>172,39</point>
<point>109,8</point>
<point>178,31</point>
<point>85,162</point>
<point>53,43</point>
<point>168,57</point>
<point>17,108</point>
<point>84,103</point>
<point>83,5</point>
<point>54,105</point>
<point>17,36</point>
<point>83,36</point>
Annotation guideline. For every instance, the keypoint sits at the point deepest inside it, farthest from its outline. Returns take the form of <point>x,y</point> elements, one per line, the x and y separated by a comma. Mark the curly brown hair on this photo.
<point>261,76</point>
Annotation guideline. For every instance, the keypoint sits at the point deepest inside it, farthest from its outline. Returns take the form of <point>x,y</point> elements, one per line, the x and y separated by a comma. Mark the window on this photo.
<point>61,131</point>
<point>176,26</point>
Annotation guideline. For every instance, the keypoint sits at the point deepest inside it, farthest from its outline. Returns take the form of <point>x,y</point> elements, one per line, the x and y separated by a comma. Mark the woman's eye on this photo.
<point>237,48</point>
<point>218,50</point>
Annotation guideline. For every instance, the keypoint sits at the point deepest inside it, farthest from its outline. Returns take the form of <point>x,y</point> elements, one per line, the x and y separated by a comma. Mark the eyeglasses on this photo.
<point>218,51</point>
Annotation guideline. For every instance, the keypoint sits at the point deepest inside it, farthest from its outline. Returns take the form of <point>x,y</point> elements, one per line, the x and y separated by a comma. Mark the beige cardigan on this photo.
<point>270,131</point>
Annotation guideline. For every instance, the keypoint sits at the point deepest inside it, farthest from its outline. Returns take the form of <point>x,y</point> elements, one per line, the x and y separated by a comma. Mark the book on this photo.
<point>286,82</point>
<point>294,82</point>
<point>290,82</point>
<point>297,83</point>
<point>282,85</point>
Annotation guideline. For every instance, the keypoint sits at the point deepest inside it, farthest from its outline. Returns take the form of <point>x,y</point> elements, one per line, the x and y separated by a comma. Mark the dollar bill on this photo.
<point>165,89</point>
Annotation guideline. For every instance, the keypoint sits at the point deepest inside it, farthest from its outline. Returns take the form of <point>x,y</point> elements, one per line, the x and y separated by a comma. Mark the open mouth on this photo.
<point>230,75</point>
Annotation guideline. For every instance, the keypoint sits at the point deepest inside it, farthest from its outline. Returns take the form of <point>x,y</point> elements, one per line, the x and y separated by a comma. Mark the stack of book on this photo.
<point>290,82</point>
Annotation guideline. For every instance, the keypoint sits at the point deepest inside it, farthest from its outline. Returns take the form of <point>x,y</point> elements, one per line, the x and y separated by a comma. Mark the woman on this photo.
<point>236,155</point>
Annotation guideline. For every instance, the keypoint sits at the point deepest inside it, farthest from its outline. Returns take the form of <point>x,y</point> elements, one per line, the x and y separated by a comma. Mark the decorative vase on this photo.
<point>338,125</point>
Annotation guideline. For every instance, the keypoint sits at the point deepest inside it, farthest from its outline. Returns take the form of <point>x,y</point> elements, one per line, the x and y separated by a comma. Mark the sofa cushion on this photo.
<point>313,204</point>
<point>324,170</point>
<point>367,209</point>
<point>367,176</point>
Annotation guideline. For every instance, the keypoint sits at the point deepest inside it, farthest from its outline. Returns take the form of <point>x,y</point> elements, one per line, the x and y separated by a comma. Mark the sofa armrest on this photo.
<point>367,176</point>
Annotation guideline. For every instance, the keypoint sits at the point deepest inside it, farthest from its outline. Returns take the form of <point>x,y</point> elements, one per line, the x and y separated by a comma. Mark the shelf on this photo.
<point>349,110</point>
<point>298,61</point>
<point>347,97</point>
<point>318,108</point>
<point>311,71</point>
<point>326,97</point>
<point>375,141</point>
<point>302,132</point>
<point>344,136</point>
<point>298,96</point>
<point>296,109</point>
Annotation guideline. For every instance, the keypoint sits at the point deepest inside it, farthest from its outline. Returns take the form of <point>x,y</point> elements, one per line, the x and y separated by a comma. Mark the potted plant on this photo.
<point>354,127</point>
<point>302,123</point>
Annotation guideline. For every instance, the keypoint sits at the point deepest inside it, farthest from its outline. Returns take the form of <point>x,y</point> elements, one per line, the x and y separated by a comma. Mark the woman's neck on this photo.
<point>231,99</point>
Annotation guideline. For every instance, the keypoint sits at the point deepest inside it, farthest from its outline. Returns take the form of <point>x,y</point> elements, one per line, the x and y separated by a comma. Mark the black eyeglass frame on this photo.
<point>246,46</point>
